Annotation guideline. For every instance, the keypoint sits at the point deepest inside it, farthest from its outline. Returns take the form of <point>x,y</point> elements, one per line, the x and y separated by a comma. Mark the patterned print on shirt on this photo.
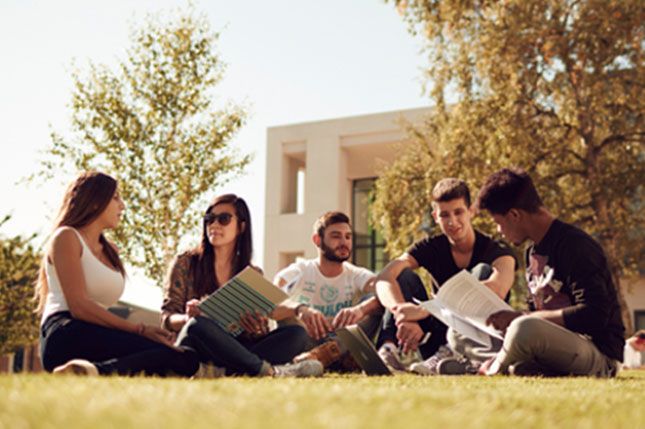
<point>328,293</point>
<point>544,288</point>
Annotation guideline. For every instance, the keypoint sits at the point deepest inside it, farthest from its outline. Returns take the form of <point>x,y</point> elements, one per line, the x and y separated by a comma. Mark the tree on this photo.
<point>553,86</point>
<point>19,263</point>
<point>151,124</point>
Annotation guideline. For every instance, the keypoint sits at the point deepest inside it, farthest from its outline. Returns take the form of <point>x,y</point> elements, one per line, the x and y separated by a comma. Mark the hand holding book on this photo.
<point>465,304</point>
<point>502,319</point>
<point>243,303</point>
<point>192,308</point>
<point>255,324</point>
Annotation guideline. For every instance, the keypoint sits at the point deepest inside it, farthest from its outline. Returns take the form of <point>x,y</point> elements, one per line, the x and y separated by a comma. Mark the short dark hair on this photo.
<point>507,189</point>
<point>450,189</point>
<point>327,219</point>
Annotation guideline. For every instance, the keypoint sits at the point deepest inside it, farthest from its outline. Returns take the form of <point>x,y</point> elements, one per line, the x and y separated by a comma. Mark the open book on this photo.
<point>248,291</point>
<point>464,303</point>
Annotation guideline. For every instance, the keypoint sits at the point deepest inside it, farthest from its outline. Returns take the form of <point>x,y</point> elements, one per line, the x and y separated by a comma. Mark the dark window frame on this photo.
<point>372,240</point>
<point>639,314</point>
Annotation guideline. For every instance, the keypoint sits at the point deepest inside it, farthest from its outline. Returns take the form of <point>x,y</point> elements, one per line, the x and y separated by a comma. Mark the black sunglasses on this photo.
<point>222,218</point>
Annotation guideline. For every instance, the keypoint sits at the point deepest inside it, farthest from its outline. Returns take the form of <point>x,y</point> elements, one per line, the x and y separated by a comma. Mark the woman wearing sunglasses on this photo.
<point>226,248</point>
<point>80,276</point>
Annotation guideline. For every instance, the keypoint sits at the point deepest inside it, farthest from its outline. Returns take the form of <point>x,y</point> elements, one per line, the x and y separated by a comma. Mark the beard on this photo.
<point>330,254</point>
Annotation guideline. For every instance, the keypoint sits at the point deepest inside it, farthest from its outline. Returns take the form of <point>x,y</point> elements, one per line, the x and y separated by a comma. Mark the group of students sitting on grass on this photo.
<point>574,325</point>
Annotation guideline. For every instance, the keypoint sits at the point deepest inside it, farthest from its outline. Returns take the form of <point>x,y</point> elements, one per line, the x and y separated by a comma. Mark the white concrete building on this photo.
<point>326,165</point>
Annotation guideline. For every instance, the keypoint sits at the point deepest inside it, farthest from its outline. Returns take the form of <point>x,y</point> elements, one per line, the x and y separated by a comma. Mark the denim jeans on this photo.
<point>112,351</point>
<point>412,288</point>
<point>241,355</point>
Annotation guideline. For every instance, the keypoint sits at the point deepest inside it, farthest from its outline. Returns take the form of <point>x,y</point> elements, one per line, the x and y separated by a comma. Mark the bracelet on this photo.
<point>299,307</point>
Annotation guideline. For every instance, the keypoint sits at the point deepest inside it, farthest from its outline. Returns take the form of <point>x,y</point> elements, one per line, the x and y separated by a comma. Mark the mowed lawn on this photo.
<point>331,402</point>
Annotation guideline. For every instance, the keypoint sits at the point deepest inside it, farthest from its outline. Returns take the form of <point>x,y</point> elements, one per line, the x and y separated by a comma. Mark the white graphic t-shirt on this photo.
<point>305,283</point>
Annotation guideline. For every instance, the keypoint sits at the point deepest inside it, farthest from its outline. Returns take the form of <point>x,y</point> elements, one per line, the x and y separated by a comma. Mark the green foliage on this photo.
<point>555,87</point>
<point>151,123</point>
<point>19,264</point>
<point>354,401</point>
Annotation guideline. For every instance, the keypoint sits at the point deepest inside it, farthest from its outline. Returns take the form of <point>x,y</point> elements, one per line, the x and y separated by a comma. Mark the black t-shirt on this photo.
<point>568,270</point>
<point>434,254</point>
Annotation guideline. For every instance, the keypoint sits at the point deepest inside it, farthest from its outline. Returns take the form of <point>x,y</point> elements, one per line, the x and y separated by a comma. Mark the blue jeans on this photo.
<point>412,288</point>
<point>112,351</point>
<point>241,355</point>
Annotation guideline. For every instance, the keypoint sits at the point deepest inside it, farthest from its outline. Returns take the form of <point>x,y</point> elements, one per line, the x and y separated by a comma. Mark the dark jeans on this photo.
<point>241,355</point>
<point>113,351</point>
<point>412,288</point>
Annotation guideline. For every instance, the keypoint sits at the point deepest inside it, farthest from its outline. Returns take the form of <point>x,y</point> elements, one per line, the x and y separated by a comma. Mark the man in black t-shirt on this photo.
<point>459,247</point>
<point>575,325</point>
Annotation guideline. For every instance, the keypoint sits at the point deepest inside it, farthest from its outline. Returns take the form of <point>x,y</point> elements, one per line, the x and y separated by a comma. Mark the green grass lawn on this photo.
<point>332,402</point>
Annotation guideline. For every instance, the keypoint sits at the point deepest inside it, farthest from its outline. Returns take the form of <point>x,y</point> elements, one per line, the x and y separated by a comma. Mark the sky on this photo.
<point>290,61</point>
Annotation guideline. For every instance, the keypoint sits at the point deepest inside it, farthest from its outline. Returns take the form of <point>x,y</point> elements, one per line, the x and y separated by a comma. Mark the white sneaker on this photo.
<point>410,358</point>
<point>389,354</point>
<point>77,367</point>
<point>430,366</point>
<point>305,368</point>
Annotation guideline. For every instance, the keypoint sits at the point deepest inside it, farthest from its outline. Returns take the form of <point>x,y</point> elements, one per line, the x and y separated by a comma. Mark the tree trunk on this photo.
<point>609,244</point>
<point>607,236</point>
<point>614,266</point>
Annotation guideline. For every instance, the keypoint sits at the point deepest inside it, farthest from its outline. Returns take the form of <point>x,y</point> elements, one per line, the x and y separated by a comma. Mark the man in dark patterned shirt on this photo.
<point>575,324</point>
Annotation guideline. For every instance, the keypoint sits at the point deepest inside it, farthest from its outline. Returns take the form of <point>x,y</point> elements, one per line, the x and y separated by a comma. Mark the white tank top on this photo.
<point>104,285</point>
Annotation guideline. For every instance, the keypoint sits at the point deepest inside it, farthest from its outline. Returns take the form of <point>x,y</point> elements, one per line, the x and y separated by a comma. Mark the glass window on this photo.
<point>369,245</point>
<point>639,319</point>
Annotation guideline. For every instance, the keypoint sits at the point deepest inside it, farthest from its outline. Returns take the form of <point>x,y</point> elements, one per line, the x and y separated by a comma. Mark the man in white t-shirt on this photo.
<point>331,292</point>
<point>634,349</point>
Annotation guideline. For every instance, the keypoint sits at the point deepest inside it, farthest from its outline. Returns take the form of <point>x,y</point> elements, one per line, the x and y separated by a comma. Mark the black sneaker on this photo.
<point>457,366</point>
<point>532,369</point>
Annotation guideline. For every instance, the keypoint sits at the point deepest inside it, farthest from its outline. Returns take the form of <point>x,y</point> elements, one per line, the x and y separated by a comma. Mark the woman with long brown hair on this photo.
<point>81,275</point>
<point>226,248</point>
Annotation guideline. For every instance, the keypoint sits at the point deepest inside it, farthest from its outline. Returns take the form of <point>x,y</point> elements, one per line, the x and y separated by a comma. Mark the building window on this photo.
<point>639,319</point>
<point>369,245</point>
<point>293,178</point>
<point>288,258</point>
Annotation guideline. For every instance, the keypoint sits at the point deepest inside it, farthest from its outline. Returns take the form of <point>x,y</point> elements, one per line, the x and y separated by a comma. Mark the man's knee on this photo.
<point>411,285</point>
<point>525,330</point>
<point>296,335</point>
<point>482,271</point>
